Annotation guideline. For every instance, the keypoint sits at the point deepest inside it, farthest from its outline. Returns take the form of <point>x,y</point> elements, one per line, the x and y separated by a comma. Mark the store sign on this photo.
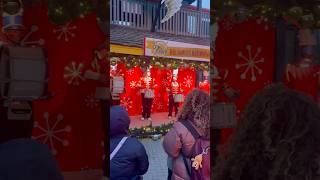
<point>178,50</point>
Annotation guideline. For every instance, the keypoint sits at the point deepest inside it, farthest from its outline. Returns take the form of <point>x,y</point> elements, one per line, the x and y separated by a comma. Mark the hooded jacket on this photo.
<point>26,159</point>
<point>131,160</point>
<point>179,140</point>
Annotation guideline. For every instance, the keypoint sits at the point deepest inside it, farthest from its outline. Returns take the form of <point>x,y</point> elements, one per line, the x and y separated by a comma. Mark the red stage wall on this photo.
<point>131,99</point>
<point>73,112</point>
<point>231,40</point>
<point>237,42</point>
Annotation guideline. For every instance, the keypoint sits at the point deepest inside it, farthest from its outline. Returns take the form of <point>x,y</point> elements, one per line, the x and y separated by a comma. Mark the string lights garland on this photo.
<point>300,13</point>
<point>62,11</point>
<point>149,131</point>
<point>162,63</point>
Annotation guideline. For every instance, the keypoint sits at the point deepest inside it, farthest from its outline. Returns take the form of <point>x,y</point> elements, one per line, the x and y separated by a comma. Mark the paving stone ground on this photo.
<point>157,159</point>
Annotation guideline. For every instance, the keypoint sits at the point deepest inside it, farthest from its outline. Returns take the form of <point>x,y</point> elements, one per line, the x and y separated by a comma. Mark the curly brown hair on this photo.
<point>278,139</point>
<point>196,108</point>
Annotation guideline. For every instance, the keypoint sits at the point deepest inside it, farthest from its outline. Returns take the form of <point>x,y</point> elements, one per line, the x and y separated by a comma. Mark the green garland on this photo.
<point>63,11</point>
<point>300,13</point>
<point>162,63</point>
<point>148,131</point>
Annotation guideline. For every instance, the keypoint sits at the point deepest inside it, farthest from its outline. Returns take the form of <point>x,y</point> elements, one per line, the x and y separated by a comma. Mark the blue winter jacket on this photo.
<point>26,159</point>
<point>131,161</point>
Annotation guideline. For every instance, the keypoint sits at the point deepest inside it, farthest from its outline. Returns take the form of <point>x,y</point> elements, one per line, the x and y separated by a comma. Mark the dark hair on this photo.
<point>197,109</point>
<point>278,139</point>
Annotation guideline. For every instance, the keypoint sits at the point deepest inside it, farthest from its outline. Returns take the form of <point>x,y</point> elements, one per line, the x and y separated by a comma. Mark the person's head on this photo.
<point>278,138</point>
<point>197,109</point>
<point>119,121</point>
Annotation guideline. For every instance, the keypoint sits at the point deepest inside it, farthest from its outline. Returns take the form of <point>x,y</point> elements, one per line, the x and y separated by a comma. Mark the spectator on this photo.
<point>130,162</point>
<point>278,138</point>
<point>26,159</point>
<point>179,141</point>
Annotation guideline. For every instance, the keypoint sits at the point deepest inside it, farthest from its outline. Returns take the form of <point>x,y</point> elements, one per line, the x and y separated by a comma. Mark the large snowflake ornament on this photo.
<point>187,81</point>
<point>251,63</point>
<point>127,103</point>
<point>73,73</point>
<point>65,31</point>
<point>50,133</point>
<point>133,84</point>
<point>91,101</point>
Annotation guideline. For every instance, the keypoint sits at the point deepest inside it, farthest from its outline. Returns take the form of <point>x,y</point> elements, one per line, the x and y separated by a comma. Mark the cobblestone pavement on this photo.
<point>157,159</point>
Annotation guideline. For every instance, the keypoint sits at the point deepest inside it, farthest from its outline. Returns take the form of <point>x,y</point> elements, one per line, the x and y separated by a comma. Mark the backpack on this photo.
<point>200,155</point>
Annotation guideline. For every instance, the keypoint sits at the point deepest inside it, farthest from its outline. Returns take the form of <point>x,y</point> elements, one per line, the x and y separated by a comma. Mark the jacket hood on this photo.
<point>27,159</point>
<point>119,121</point>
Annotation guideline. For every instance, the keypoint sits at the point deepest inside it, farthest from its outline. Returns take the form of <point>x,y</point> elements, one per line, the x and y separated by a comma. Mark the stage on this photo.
<point>157,120</point>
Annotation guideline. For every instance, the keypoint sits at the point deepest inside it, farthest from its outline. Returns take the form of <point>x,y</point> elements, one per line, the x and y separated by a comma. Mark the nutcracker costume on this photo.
<point>174,90</point>
<point>147,85</point>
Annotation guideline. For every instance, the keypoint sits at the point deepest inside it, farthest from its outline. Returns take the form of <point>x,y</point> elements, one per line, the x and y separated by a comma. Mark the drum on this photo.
<point>149,94</point>
<point>118,84</point>
<point>23,73</point>
<point>178,98</point>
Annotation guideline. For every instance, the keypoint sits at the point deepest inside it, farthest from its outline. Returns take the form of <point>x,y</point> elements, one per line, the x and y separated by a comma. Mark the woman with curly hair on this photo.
<point>179,141</point>
<point>278,139</point>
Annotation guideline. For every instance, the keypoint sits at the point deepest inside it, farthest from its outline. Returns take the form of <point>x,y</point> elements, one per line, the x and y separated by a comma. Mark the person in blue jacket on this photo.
<point>131,160</point>
<point>27,159</point>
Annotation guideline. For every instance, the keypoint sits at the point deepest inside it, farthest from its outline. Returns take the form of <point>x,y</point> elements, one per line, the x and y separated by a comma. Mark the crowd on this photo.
<point>277,138</point>
<point>187,143</point>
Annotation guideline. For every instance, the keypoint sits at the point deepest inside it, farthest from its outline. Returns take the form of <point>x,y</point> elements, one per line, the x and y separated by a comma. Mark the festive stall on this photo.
<point>69,121</point>
<point>163,71</point>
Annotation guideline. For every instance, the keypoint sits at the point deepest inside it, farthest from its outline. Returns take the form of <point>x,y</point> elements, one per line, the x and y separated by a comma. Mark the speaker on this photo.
<point>23,73</point>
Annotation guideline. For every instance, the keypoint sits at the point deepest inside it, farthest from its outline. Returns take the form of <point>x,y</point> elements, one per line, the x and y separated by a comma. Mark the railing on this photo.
<point>140,15</point>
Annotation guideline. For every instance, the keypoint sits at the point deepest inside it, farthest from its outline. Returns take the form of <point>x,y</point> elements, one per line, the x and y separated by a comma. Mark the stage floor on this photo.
<point>157,120</point>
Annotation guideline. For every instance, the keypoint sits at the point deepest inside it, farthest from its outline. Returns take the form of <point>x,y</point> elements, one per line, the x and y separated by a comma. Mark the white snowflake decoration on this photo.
<point>126,103</point>
<point>187,81</point>
<point>133,84</point>
<point>251,63</point>
<point>65,31</point>
<point>73,73</point>
<point>50,133</point>
<point>25,41</point>
<point>91,101</point>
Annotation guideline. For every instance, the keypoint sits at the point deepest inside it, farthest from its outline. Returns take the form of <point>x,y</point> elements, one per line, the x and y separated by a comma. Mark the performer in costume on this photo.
<point>205,85</point>
<point>147,85</point>
<point>174,90</point>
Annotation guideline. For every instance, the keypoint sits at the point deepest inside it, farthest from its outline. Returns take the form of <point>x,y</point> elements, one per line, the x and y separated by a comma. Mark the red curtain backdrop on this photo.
<point>235,44</point>
<point>73,113</point>
<point>131,99</point>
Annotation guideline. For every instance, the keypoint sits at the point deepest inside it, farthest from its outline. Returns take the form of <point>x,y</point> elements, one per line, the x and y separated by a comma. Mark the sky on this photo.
<point>205,4</point>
